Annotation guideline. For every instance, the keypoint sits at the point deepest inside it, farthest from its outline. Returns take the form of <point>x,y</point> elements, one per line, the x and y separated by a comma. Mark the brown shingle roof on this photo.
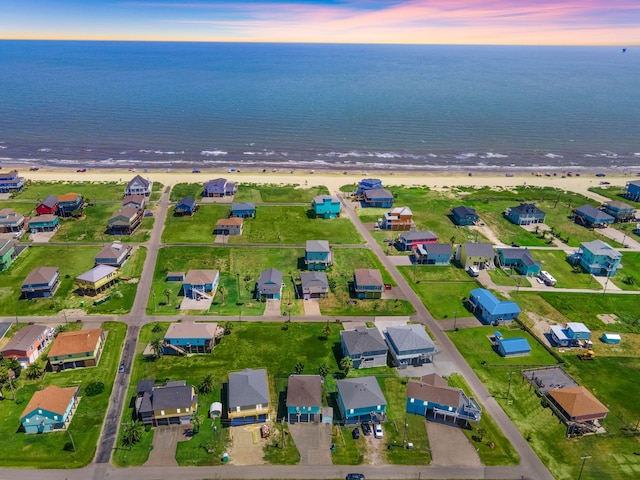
<point>53,399</point>
<point>367,276</point>
<point>434,392</point>
<point>40,275</point>
<point>304,391</point>
<point>229,221</point>
<point>199,277</point>
<point>578,401</point>
<point>68,197</point>
<point>68,343</point>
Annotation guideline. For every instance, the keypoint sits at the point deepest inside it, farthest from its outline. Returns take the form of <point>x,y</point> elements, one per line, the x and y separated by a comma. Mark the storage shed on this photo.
<point>512,347</point>
<point>613,338</point>
<point>215,410</point>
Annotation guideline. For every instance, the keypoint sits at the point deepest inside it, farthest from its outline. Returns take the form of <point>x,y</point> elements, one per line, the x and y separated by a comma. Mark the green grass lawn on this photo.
<point>629,277</point>
<point>53,450</point>
<point>295,225</point>
<point>555,262</point>
<point>347,450</point>
<point>194,229</point>
<point>272,193</point>
<point>93,191</point>
<point>250,345</point>
<point>26,207</point>
<point>71,261</point>
<point>505,278</point>
<point>614,193</point>
<point>181,190</point>
<point>441,289</point>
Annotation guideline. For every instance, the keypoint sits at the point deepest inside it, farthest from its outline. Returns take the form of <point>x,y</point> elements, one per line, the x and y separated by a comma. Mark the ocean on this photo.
<point>147,104</point>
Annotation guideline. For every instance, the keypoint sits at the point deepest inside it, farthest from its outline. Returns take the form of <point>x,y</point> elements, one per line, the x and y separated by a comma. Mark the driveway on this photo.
<point>313,441</point>
<point>450,446</point>
<point>273,308</point>
<point>247,447</point>
<point>311,307</point>
<point>165,440</point>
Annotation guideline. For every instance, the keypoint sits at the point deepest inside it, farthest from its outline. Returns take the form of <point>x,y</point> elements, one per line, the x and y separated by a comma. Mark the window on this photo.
<point>161,412</point>
<point>238,408</point>
<point>411,400</point>
<point>40,411</point>
<point>378,407</point>
<point>178,410</point>
<point>27,420</point>
<point>259,406</point>
<point>425,403</point>
<point>31,347</point>
<point>351,410</point>
<point>187,409</point>
<point>55,417</point>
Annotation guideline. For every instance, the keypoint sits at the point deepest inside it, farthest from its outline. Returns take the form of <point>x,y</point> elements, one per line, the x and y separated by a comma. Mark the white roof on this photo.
<point>96,273</point>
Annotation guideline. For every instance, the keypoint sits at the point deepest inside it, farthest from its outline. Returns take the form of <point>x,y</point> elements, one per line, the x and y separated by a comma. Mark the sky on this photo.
<point>505,22</point>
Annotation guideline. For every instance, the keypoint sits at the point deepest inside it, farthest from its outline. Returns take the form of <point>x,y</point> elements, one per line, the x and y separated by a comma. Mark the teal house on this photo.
<point>326,206</point>
<point>44,223</point>
<point>50,409</point>
<point>304,398</point>
<point>318,255</point>
<point>589,216</point>
<point>7,253</point>
<point>520,260</point>
<point>464,216</point>
<point>243,210</point>
<point>361,399</point>
<point>191,337</point>
<point>598,258</point>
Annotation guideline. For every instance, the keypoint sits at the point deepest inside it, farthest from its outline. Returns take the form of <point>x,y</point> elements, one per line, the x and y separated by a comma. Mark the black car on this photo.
<point>355,476</point>
<point>366,428</point>
<point>356,433</point>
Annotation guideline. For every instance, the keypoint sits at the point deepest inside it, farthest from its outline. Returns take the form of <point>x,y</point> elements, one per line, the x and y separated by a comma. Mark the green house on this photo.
<point>7,254</point>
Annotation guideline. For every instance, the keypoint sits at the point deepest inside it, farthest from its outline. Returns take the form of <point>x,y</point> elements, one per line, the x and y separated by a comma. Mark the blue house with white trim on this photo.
<point>200,283</point>
<point>489,309</point>
<point>520,260</point>
<point>269,285</point>
<point>592,217</point>
<point>361,399</point>
<point>50,409</point>
<point>598,258</point>
<point>11,182</point>
<point>326,206</point>
<point>318,255</point>
<point>368,184</point>
<point>186,206</point>
<point>525,214</point>
<point>433,254</point>
<point>513,347</point>
<point>377,198</point>
<point>410,345</point>
<point>433,398</point>
<point>632,191</point>
<point>304,398</point>
<point>190,337</point>
<point>243,210</point>
<point>464,216</point>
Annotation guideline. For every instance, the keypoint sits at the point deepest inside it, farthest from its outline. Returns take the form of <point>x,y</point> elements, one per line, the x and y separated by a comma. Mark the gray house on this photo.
<point>314,285</point>
<point>269,285</point>
<point>115,255</point>
<point>171,404</point>
<point>304,398</point>
<point>365,346</point>
<point>249,399</point>
<point>361,399</point>
<point>410,345</point>
<point>42,282</point>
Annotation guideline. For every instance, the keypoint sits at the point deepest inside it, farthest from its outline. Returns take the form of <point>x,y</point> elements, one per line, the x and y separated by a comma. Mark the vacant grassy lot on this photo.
<point>629,277</point>
<point>295,225</point>
<point>71,261</point>
<point>441,289</point>
<point>555,262</point>
<point>181,190</point>
<point>23,207</point>
<point>614,193</point>
<point>505,278</point>
<point>194,229</point>
<point>91,191</point>
<point>250,345</point>
<point>250,192</point>
<point>54,450</point>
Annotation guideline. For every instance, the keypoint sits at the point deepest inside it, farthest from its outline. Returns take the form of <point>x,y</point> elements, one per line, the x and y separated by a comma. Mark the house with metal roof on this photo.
<point>589,216</point>
<point>171,404</point>
<point>432,398</point>
<point>475,254</point>
<point>186,206</point>
<point>219,187</point>
<point>326,206</point>
<point>81,348</point>
<point>361,400</point>
<point>365,346</point>
<point>27,344</point>
<point>632,190</point>
<point>114,254</point>
<point>48,206</point>
<point>408,241</point>
<point>139,186</point>
<point>50,409</point>
<point>464,216</point>
<point>410,345</point>
<point>249,400</point>
<point>367,283</point>
<point>98,279</point>
<point>622,212</point>
<point>520,260</point>
<point>525,214</point>
<point>317,255</point>
<point>569,335</point>
<point>513,347</point>
<point>243,210</point>
<point>377,198</point>
<point>42,282</point>
<point>314,285</point>
<point>191,337</point>
<point>598,258</point>
<point>433,254</point>
<point>11,221</point>
<point>304,398</point>
<point>269,285</point>
<point>200,284</point>
<point>484,305</point>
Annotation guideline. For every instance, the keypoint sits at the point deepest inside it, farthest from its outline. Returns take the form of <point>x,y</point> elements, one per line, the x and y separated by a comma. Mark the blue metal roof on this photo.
<point>515,345</point>
<point>492,304</point>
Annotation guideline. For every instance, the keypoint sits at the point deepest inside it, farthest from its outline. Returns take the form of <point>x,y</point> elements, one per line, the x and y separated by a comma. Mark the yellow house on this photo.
<point>173,403</point>
<point>249,399</point>
<point>76,349</point>
<point>97,279</point>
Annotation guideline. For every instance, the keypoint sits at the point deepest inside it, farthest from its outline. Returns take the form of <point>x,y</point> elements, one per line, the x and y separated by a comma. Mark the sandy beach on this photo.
<point>331,179</point>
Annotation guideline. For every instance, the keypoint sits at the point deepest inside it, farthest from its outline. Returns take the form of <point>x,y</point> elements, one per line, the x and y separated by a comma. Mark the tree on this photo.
<point>206,385</point>
<point>167,293</point>
<point>629,280</point>
<point>452,240</point>
<point>157,344</point>
<point>228,328</point>
<point>326,330</point>
<point>197,421</point>
<point>132,432</point>
<point>60,329</point>
<point>34,371</point>
<point>14,365</point>
<point>346,364</point>
<point>299,368</point>
<point>323,370</point>
<point>221,291</point>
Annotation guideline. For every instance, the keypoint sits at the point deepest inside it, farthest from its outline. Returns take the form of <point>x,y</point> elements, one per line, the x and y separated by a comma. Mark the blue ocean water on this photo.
<point>388,106</point>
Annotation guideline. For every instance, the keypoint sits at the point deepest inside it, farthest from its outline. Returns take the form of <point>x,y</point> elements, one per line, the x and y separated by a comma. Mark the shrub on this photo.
<point>94,388</point>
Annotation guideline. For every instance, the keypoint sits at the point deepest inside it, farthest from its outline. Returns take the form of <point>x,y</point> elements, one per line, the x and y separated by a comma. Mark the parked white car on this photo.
<point>378,431</point>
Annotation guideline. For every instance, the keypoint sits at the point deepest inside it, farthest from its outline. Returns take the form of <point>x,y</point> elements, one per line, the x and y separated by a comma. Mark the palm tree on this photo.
<point>167,293</point>
<point>346,364</point>
<point>326,330</point>
<point>132,432</point>
<point>197,420</point>
<point>206,385</point>
<point>323,370</point>
<point>34,371</point>
<point>157,345</point>
<point>299,368</point>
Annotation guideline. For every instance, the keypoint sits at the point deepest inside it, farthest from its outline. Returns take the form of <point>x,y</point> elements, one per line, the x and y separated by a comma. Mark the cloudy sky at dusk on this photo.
<point>538,22</point>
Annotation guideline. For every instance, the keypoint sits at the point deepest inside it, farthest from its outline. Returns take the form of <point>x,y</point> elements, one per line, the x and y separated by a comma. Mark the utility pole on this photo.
<point>73,444</point>
<point>509,387</point>
<point>153,294</point>
<point>455,321</point>
<point>584,459</point>
<point>404,436</point>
